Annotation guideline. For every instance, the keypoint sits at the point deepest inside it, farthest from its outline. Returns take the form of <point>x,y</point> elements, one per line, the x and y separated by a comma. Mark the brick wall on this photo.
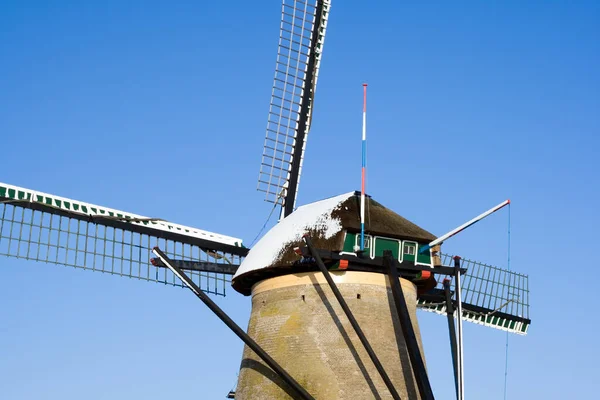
<point>298,321</point>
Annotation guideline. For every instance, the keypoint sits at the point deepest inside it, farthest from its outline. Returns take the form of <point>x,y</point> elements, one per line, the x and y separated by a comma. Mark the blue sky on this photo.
<point>160,109</point>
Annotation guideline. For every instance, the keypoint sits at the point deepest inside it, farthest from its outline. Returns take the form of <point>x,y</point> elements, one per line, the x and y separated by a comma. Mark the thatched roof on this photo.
<point>379,220</point>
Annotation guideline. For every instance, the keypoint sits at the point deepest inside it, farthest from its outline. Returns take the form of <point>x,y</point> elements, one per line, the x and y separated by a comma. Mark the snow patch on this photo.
<point>311,216</point>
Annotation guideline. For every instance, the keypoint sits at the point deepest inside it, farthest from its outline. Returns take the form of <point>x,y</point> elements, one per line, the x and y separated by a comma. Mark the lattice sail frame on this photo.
<point>491,296</point>
<point>42,227</point>
<point>290,83</point>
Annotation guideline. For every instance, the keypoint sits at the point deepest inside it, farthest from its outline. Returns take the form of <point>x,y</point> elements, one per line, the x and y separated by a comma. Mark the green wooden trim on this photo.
<point>492,321</point>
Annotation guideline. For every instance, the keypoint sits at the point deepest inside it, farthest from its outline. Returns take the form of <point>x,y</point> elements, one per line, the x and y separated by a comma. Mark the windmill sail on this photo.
<point>491,296</point>
<point>301,38</point>
<point>47,228</point>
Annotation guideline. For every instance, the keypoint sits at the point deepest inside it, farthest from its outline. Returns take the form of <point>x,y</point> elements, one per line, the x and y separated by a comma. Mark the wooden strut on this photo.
<point>202,266</point>
<point>278,369</point>
<point>460,362</point>
<point>451,330</point>
<point>350,316</point>
<point>412,345</point>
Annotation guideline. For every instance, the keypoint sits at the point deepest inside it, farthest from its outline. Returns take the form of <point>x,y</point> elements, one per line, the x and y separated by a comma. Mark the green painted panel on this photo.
<point>409,249</point>
<point>382,244</point>
<point>2,191</point>
<point>425,257</point>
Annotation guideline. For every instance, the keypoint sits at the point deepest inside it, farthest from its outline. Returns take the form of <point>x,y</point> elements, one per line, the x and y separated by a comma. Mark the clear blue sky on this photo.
<point>159,108</point>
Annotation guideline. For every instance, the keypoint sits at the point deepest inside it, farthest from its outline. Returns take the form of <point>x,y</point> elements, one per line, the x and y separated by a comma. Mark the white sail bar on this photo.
<point>464,226</point>
<point>11,194</point>
<point>491,296</point>
<point>51,229</point>
<point>301,39</point>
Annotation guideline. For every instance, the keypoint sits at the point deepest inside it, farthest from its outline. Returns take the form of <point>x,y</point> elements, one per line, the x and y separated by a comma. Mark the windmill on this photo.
<point>47,228</point>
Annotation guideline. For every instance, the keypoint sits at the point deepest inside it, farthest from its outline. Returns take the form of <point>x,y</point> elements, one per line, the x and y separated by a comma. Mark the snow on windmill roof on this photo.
<point>316,215</point>
<point>326,221</point>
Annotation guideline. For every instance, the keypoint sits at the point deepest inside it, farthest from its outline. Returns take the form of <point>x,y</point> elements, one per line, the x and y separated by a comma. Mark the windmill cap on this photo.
<point>326,221</point>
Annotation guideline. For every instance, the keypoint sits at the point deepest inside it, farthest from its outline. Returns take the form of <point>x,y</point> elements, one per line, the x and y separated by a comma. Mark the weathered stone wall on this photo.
<point>298,321</point>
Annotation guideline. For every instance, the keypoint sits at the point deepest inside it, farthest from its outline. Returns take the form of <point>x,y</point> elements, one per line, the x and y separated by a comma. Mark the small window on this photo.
<point>409,249</point>
<point>367,241</point>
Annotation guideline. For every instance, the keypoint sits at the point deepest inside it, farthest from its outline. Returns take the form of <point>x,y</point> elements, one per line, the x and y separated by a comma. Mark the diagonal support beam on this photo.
<point>461,376</point>
<point>416,359</point>
<point>350,316</point>
<point>451,330</point>
<point>300,391</point>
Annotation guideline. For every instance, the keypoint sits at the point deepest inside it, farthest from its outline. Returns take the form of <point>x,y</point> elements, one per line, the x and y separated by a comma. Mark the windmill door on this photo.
<point>382,244</point>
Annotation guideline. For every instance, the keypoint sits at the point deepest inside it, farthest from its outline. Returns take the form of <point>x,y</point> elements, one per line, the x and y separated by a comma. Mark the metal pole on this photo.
<point>412,345</point>
<point>353,322</point>
<point>451,330</point>
<point>302,393</point>
<point>464,226</point>
<point>461,378</point>
<point>364,169</point>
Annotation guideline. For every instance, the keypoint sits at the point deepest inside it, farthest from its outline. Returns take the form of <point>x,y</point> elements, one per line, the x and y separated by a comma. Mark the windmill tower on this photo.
<point>330,319</point>
<point>297,319</point>
<point>294,312</point>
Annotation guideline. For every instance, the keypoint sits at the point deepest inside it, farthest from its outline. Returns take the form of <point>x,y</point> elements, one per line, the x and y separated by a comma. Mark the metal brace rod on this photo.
<point>464,226</point>
<point>302,393</point>
<point>451,330</point>
<point>350,316</point>
<point>461,377</point>
<point>412,345</point>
